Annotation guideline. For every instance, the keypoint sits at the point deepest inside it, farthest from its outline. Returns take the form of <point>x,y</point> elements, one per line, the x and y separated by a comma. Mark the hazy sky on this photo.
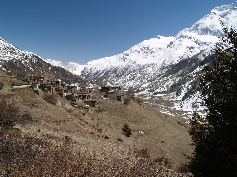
<point>84,30</point>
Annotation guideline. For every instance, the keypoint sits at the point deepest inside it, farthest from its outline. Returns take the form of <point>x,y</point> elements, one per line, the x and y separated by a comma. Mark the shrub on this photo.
<point>106,137</point>
<point>120,139</point>
<point>24,118</point>
<point>127,130</point>
<point>138,100</point>
<point>126,101</point>
<point>145,153</point>
<point>50,98</point>
<point>10,115</point>
<point>183,168</point>
<point>1,85</point>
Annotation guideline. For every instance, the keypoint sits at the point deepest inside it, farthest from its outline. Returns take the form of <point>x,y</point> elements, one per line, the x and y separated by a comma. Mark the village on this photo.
<point>77,96</point>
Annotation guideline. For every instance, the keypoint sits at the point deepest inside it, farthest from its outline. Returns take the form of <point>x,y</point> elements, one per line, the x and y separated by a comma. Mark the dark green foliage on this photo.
<point>127,130</point>
<point>215,136</point>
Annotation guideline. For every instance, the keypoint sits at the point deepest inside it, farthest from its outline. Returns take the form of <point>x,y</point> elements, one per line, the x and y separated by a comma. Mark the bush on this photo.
<point>10,115</point>
<point>106,137</point>
<point>24,118</point>
<point>183,168</point>
<point>127,130</point>
<point>120,139</point>
<point>50,98</point>
<point>138,100</point>
<point>1,85</point>
<point>145,153</point>
<point>126,101</point>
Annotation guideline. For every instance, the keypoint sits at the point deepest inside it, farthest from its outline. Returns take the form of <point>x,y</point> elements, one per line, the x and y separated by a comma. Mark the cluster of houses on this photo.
<point>70,92</point>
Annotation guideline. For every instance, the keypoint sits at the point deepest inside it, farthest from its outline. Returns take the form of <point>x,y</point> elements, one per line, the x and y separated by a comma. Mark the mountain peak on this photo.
<point>210,23</point>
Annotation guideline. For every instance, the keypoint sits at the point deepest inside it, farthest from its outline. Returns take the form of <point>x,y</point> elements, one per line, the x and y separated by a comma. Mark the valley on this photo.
<point>121,115</point>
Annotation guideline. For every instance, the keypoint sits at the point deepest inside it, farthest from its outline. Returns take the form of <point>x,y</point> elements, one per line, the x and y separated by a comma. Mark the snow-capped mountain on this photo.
<point>198,39</point>
<point>155,65</point>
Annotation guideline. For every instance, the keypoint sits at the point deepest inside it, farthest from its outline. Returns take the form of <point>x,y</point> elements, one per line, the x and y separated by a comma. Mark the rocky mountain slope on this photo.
<point>23,63</point>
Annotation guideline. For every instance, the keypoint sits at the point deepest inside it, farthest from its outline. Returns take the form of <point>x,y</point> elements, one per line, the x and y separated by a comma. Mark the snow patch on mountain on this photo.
<point>193,103</point>
<point>75,68</point>
<point>148,51</point>
<point>210,23</point>
<point>55,62</point>
<point>72,67</point>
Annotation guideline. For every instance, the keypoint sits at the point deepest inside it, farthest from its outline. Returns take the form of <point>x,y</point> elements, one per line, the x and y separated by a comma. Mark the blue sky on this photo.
<point>84,30</point>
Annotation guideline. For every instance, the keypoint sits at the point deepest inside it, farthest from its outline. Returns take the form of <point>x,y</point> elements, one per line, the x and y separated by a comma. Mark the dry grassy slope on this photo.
<point>163,135</point>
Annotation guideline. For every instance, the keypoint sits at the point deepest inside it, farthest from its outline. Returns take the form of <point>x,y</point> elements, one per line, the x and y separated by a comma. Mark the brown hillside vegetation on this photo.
<point>87,136</point>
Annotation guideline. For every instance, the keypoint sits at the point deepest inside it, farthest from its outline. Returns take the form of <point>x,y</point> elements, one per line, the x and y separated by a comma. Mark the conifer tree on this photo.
<point>214,137</point>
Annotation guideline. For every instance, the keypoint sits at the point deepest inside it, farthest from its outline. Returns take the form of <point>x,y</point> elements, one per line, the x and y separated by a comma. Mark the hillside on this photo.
<point>98,130</point>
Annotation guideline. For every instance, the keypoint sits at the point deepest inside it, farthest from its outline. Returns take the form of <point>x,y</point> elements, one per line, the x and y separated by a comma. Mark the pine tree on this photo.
<point>214,137</point>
